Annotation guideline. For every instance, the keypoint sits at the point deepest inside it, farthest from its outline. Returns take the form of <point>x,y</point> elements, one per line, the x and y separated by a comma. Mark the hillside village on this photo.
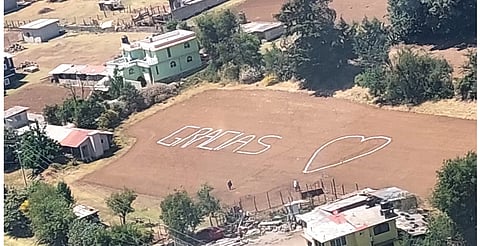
<point>239,122</point>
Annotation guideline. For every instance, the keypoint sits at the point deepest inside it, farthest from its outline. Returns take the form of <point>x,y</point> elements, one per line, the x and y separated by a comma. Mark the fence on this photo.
<point>325,189</point>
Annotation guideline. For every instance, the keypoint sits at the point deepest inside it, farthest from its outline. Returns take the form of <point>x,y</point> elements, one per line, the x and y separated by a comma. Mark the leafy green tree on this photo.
<point>408,19</point>
<point>208,204</point>
<point>467,86</point>
<point>64,190</point>
<point>37,150</point>
<point>371,43</point>
<point>315,47</point>
<point>373,79</point>
<point>121,203</point>
<point>50,214</point>
<point>15,223</point>
<point>10,139</point>
<point>86,233</point>
<point>130,234</point>
<point>455,193</point>
<point>109,119</point>
<point>51,114</point>
<point>276,62</point>
<point>180,213</point>
<point>133,99</point>
<point>415,78</point>
<point>116,84</point>
<point>441,232</point>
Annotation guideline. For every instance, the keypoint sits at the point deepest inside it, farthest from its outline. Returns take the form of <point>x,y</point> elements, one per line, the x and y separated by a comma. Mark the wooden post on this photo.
<point>306,186</point>
<point>281,197</point>
<point>290,199</point>
<point>356,186</point>
<point>268,200</point>
<point>255,204</point>
<point>343,189</point>
<point>334,188</point>
<point>240,204</point>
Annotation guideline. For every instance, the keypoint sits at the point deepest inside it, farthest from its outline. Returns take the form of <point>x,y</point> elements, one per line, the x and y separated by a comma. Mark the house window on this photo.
<point>101,140</point>
<point>341,241</point>
<point>156,69</point>
<point>6,81</point>
<point>186,45</point>
<point>189,58</point>
<point>173,64</point>
<point>169,54</point>
<point>131,71</point>
<point>382,228</point>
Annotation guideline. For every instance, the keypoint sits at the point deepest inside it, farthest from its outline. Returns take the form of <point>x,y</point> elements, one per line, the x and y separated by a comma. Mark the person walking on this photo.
<point>229,184</point>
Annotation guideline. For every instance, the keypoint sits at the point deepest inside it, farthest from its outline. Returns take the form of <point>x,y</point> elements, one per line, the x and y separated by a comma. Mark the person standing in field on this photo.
<point>296,185</point>
<point>229,184</point>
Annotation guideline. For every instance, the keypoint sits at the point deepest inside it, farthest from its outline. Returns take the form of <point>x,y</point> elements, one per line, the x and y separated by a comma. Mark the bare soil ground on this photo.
<point>93,49</point>
<point>68,11</point>
<point>349,10</point>
<point>419,145</point>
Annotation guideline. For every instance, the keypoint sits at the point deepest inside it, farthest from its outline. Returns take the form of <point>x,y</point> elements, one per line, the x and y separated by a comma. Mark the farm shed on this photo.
<point>15,117</point>
<point>9,5</point>
<point>40,30</point>
<point>264,30</point>
<point>78,75</point>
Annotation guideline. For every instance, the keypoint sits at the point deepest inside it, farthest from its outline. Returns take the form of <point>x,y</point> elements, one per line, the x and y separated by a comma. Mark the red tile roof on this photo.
<point>75,138</point>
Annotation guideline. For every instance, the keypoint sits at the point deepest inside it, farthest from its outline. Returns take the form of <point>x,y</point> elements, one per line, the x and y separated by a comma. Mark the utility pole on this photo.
<point>21,167</point>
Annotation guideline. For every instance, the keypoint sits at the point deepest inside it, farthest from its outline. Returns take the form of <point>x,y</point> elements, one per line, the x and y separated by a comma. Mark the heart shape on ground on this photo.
<point>348,157</point>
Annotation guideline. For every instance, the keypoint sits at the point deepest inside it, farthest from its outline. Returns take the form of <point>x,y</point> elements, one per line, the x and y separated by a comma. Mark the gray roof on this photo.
<point>14,111</point>
<point>40,23</point>
<point>260,26</point>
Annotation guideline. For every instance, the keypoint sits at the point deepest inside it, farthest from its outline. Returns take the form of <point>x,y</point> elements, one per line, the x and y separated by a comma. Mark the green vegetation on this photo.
<point>180,213</point>
<point>467,86</point>
<point>121,203</point>
<point>16,223</point>
<point>209,205</point>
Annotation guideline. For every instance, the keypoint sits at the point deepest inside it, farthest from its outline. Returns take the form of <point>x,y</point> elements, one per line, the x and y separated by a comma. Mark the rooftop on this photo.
<point>70,137</point>
<point>325,226</point>
<point>260,26</point>
<point>82,211</point>
<point>14,111</point>
<point>163,41</point>
<point>414,224</point>
<point>37,24</point>
<point>79,69</point>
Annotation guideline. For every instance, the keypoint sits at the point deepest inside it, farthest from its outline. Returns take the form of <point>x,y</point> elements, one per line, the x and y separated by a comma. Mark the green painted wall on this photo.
<point>136,54</point>
<point>132,73</point>
<point>362,238</point>
<point>391,234</point>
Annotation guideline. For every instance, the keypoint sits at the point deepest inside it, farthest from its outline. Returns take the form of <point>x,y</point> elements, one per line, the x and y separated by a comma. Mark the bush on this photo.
<point>467,86</point>
<point>250,75</point>
<point>269,80</point>
<point>158,93</point>
<point>230,72</point>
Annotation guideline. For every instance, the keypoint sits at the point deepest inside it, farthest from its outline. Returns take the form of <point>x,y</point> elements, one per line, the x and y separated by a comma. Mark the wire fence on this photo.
<point>319,192</point>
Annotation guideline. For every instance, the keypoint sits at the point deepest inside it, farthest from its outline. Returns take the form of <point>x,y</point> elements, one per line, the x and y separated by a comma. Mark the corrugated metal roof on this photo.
<point>57,133</point>
<point>79,69</point>
<point>75,138</point>
<point>14,111</point>
<point>40,23</point>
<point>260,26</point>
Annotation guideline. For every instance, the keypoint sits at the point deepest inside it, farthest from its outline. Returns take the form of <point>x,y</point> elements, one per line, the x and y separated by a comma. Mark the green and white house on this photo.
<point>158,58</point>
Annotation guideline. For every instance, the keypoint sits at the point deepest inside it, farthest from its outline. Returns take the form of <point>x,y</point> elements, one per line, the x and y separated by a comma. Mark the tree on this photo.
<point>208,204</point>
<point>10,139</point>
<point>133,99</point>
<point>180,213</point>
<point>373,79</point>
<point>51,114</point>
<point>467,86</point>
<point>415,78</point>
<point>121,203</point>
<point>129,234</point>
<point>315,44</point>
<point>64,190</point>
<point>15,223</point>
<point>116,84</point>
<point>441,231</point>
<point>408,18</point>
<point>371,43</point>
<point>37,150</point>
<point>50,214</point>
<point>455,193</point>
<point>86,233</point>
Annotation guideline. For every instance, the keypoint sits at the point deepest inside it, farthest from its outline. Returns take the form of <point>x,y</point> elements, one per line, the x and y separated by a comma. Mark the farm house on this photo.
<point>40,30</point>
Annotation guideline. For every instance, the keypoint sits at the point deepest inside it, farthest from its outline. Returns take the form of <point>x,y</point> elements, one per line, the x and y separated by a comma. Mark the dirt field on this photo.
<point>419,144</point>
<point>93,49</point>
<point>350,10</point>
<point>68,11</point>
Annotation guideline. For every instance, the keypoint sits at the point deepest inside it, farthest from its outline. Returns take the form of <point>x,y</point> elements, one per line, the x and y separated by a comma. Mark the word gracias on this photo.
<point>206,136</point>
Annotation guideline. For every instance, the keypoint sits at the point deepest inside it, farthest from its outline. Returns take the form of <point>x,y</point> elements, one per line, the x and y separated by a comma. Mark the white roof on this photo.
<point>7,55</point>
<point>260,26</point>
<point>14,111</point>
<point>57,133</point>
<point>40,23</point>
<point>82,211</point>
<point>162,41</point>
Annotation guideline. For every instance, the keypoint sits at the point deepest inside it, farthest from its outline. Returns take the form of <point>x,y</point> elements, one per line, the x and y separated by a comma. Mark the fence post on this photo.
<point>334,188</point>
<point>255,204</point>
<point>321,183</point>
<point>281,197</point>
<point>356,186</point>
<point>240,204</point>
<point>268,200</point>
<point>343,189</point>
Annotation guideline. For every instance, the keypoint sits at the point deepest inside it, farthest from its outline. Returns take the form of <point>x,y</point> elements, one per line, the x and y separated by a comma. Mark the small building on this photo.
<point>264,30</point>
<point>79,75</point>
<point>83,144</point>
<point>111,5</point>
<point>362,218</point>
<point>40,30</point>
<point>16,117</point>
<point>86,212</point>
<point>9,5</point>
<point>158,58</point>
<point>9,74</point>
